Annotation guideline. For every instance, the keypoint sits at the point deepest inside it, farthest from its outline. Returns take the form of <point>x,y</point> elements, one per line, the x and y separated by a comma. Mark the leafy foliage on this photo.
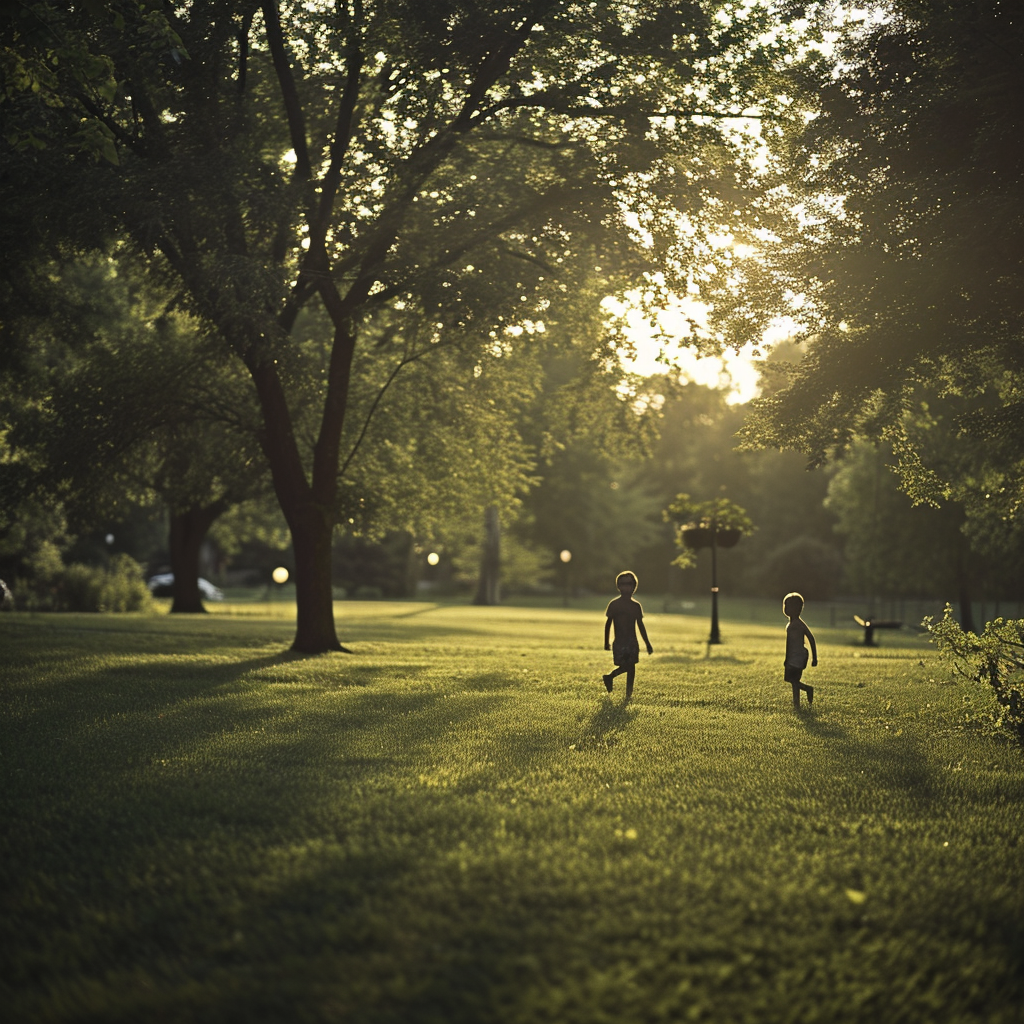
<point>891,232</point>
<point>995,658</point>
<point>716,515</point>
<point>893,547</point>
<point>118,586</point>
<point>442,172</point>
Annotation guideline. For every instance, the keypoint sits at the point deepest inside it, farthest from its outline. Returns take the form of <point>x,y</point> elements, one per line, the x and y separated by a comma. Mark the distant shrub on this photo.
<point>366,593</point>
<point>996,657</point>
<point>117,587</point>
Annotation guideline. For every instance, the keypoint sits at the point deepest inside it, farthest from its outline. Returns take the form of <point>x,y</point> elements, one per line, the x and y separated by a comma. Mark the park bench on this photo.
<point>870,625</point>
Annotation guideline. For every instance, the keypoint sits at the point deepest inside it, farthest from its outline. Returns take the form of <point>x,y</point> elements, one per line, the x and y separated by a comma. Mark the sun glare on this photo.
<point>667,346</point>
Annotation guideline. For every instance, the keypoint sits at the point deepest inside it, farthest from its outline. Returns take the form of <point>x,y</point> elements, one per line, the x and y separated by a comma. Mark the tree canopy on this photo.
<point>890,229</point>
<point>451,168</point>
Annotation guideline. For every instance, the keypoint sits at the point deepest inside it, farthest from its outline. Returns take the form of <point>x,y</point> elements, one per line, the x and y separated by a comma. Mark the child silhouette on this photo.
<point>796,652</point>
<point>627,616</point>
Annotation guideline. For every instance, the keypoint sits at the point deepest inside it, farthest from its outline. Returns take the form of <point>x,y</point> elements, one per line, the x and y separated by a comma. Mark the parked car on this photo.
<point>162,586</point>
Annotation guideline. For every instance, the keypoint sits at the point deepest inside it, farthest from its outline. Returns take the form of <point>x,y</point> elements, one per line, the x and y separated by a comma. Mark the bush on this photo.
<point>118,587</point>
<point>996,657</point>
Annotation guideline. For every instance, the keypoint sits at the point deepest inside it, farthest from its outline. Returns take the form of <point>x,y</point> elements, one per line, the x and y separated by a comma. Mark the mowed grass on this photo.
<point>457,824</point>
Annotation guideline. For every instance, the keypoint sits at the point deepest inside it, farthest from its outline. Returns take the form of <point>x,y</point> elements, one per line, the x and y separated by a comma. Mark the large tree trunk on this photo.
<point>187,531</point>
<point>488,589</point>
<point>312,537</point>
<point>308,507</point>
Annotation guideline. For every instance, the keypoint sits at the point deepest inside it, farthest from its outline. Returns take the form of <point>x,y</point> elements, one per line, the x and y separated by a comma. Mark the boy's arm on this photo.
<point>814,649</point>
<point>607,630</point>
<point>643,633</point>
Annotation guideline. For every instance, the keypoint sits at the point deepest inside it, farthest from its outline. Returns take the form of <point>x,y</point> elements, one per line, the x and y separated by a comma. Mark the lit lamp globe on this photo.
<point>280,574</point>
<point>433,558</point>
<point>565,555</point>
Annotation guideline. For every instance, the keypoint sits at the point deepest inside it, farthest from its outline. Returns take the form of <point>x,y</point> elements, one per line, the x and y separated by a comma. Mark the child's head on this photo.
<point>792,604</point>
<point>626,582</point>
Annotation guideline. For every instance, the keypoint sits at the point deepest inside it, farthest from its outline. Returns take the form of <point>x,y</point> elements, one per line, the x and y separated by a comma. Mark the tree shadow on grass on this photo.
<point>717,657</point>
<point>334,786</point>
<point>311,872</point>
<point>41,637</point>
<point>894,764</point>
<point>484,682</point>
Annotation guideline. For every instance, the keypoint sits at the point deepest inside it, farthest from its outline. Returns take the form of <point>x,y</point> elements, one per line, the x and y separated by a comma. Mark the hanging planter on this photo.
<point>703,525</point>
<point>696,537</point>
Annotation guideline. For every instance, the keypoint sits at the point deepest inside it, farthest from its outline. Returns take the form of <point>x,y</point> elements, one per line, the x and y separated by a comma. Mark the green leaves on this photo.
<point>893,196</point>
<point>719,513</point>
<point>93,136</point>
<point>714,517</point>
<point>995,658</point>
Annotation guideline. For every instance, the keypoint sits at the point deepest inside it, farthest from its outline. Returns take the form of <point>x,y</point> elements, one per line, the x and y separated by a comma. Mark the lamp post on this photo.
<point>565,557</point>
<point>712,536</point>
<point>702,524</point>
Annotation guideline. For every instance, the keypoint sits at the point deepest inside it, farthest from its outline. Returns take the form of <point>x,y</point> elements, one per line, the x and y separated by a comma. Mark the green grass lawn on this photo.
<point>457,824</point>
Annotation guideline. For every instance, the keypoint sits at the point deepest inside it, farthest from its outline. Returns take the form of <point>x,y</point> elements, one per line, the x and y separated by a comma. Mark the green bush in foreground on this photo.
<point>995,658</point>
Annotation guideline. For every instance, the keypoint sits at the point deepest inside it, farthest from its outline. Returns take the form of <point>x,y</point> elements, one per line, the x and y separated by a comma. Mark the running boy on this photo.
<point>627,615</point>
<point>796,652</point>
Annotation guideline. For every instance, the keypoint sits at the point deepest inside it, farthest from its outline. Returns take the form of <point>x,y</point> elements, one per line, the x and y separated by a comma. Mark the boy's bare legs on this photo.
<point>611,675</point>
<point>630,671</point>
<point>809,690</point>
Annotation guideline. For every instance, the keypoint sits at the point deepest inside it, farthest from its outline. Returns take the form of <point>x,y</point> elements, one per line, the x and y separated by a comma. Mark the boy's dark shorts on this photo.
<point>793,674</point>
<point>625,652</point>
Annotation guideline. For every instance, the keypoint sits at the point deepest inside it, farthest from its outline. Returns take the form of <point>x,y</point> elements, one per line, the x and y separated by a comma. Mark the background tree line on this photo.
<point>338,272</point>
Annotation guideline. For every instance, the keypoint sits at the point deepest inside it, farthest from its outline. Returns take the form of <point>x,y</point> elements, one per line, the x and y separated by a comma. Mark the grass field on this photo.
<point>457,824</point>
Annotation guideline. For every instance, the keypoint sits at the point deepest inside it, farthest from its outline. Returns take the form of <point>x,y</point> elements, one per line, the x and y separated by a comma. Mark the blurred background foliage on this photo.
<point>876,212</point>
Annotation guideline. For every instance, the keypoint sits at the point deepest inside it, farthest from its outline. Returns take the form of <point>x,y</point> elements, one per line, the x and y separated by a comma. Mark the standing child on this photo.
<point>796,652</point>
<point>627,616</point>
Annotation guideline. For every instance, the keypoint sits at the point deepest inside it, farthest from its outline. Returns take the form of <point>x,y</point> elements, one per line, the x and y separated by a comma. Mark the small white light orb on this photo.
<point>280,574</point>
<point>433,558</point>
<point>109,538</point>
<point>565,555</point>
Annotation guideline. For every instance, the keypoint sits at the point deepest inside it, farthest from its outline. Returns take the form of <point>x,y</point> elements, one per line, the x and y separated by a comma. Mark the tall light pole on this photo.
<point>714,524</point>
<point>565,557</point>
<point>712,536</point>
<point>716,637</point>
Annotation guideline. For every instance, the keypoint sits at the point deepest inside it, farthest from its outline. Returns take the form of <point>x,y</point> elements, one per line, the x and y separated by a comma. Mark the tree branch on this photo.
<point>555,102</point>
<point>369,416</point>
<point>155,140</point>
<point>343,130</point>
<point>121,134</point>
<point>243,50</point>
<point>494,65</point>
<point>289,93</point>
<point>529,140</point>
<point>403,362</point>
